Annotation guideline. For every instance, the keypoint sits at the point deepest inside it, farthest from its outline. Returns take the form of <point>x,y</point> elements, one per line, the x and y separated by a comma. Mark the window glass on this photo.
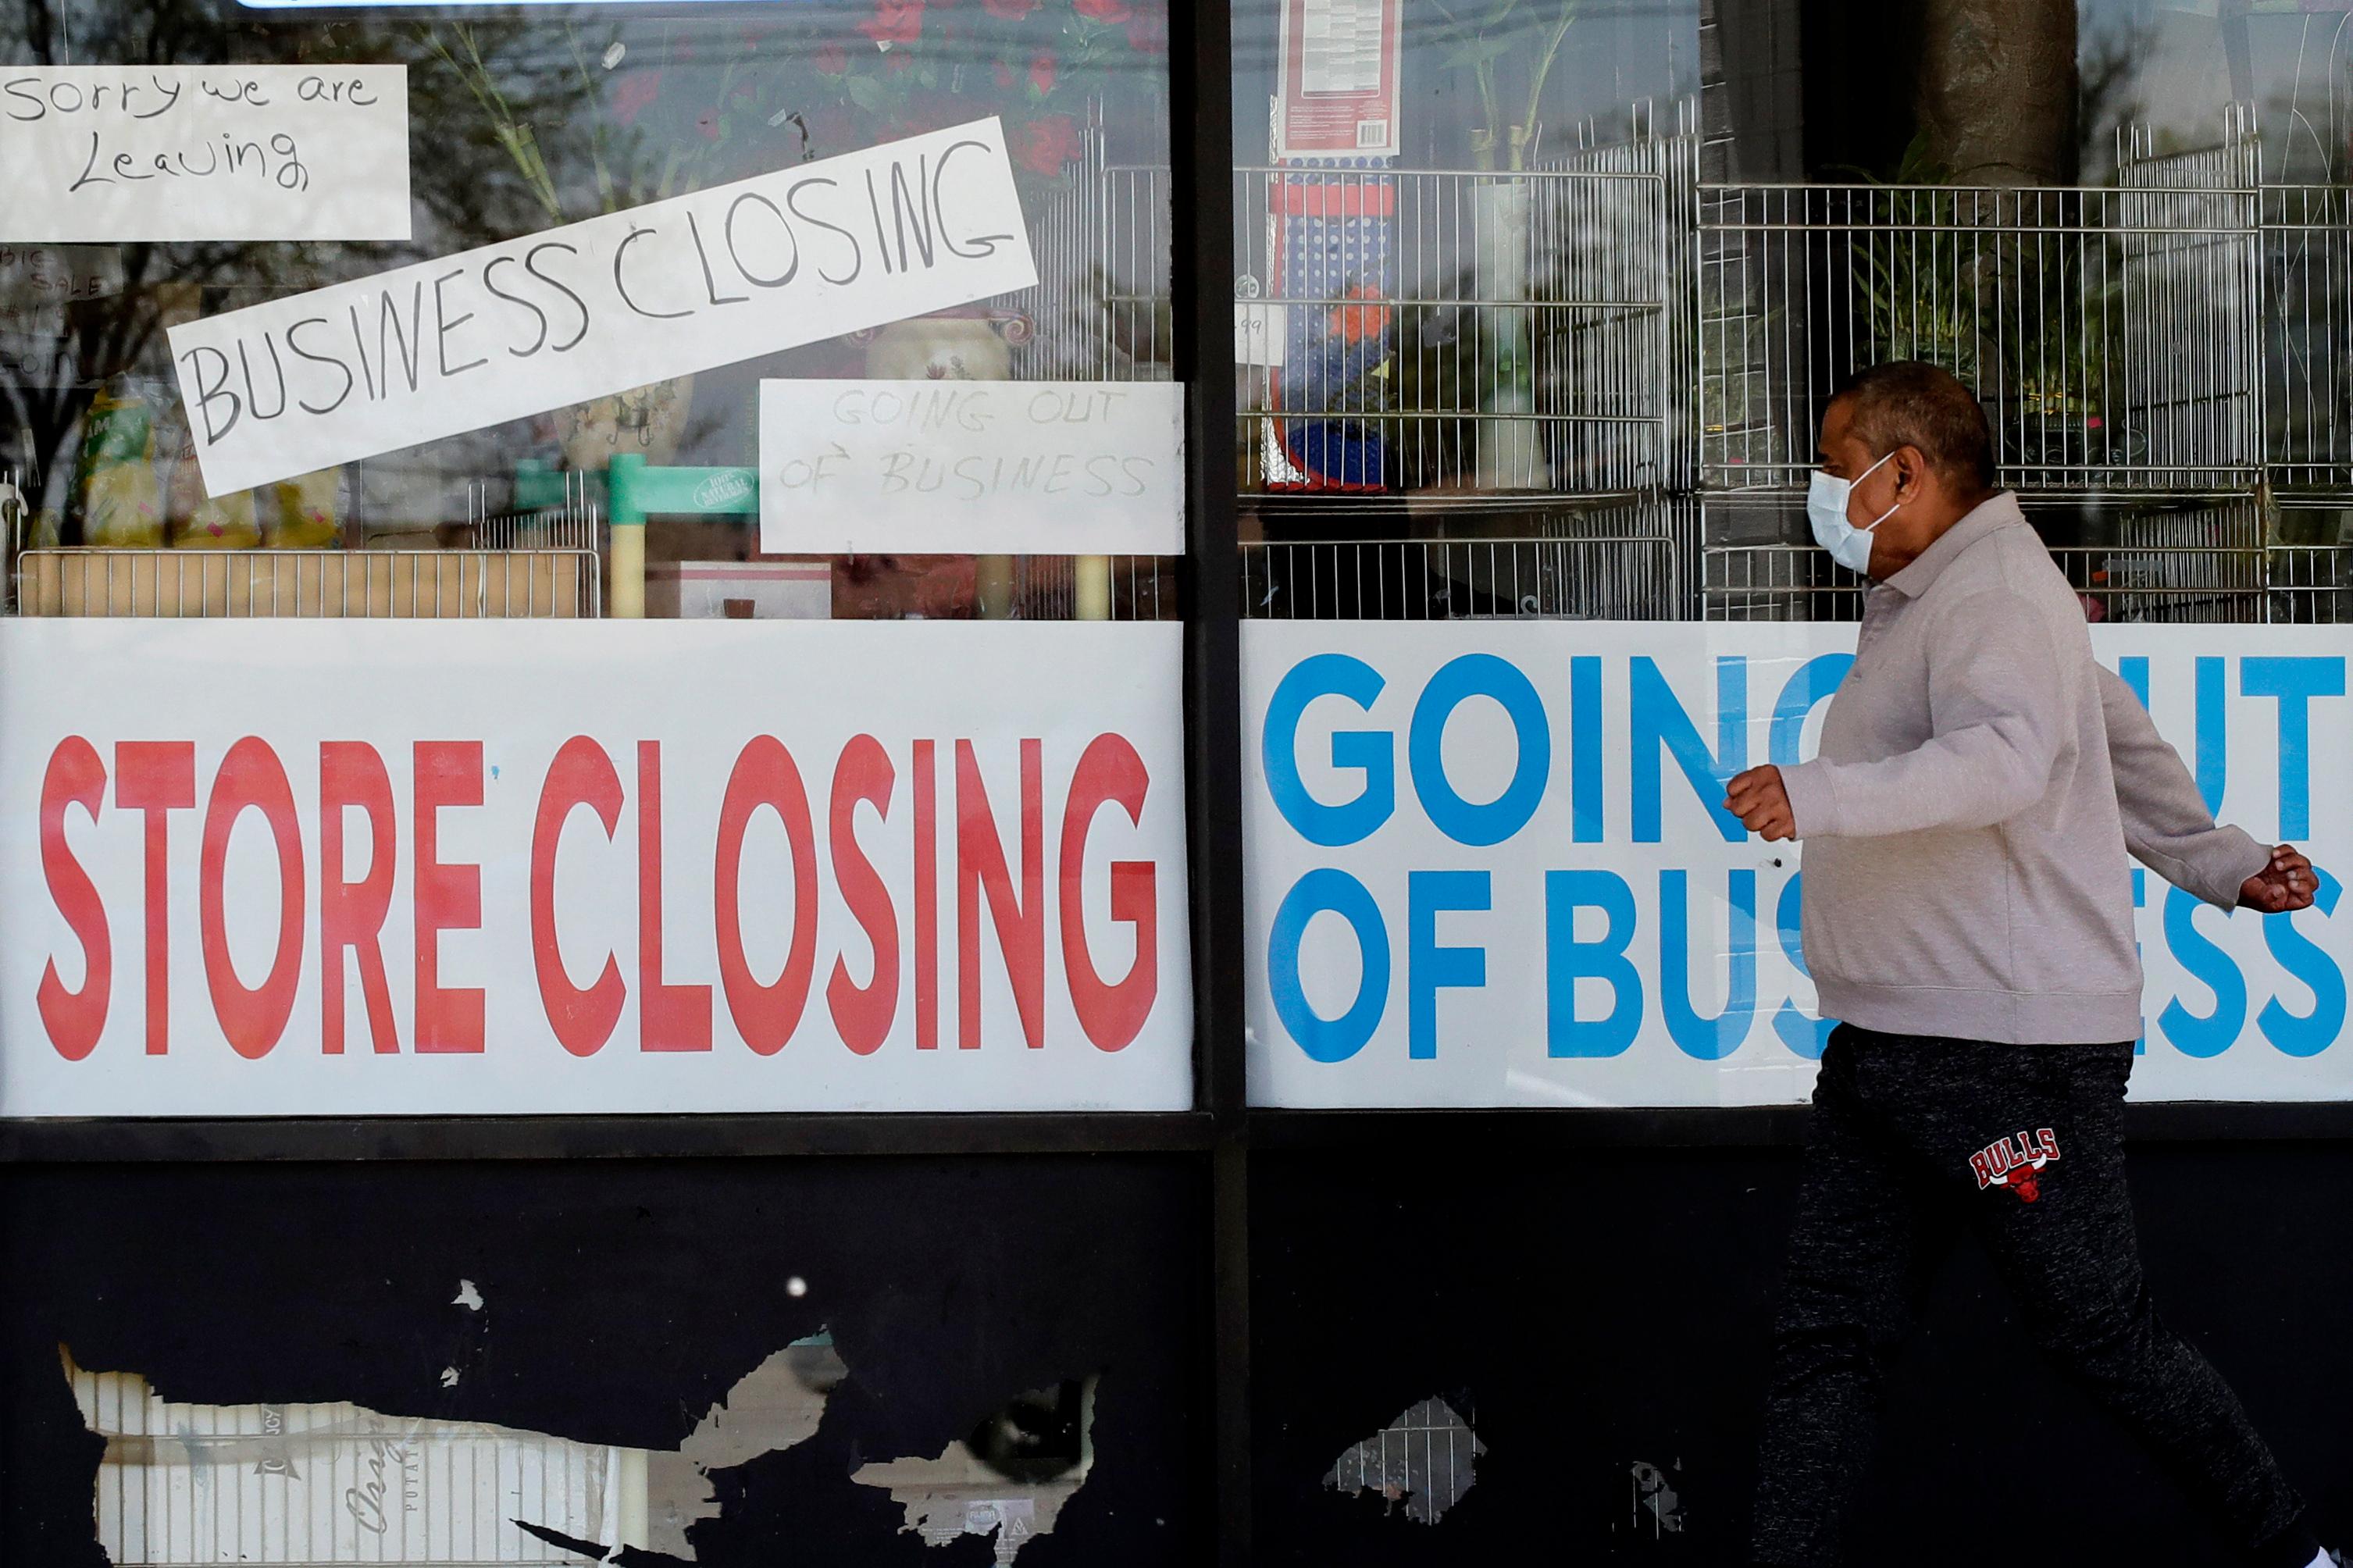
<point>519,119</point>
<point>1540,303</point>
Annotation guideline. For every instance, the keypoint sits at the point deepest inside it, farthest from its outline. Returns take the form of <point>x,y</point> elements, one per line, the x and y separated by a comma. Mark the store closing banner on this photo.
<point>338,868</point>
<point>1485,865</point>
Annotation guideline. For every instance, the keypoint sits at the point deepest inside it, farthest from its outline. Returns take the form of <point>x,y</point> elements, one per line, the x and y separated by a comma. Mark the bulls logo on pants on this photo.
<point>2016,1163</point>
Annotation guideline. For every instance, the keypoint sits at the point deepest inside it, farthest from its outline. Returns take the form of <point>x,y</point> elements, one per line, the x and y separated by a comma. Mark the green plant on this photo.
<point>1483,45</point>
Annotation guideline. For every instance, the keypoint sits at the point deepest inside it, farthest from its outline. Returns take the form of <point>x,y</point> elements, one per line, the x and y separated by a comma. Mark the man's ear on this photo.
<point>1911,466</point>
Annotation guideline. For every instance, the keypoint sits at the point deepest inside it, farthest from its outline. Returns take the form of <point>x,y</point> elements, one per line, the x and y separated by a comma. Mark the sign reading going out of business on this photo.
<point>552,319</point>
<point>1049,467</point>
<point>407,867</point>
<point>203,152</point>
<point>1486,864</point>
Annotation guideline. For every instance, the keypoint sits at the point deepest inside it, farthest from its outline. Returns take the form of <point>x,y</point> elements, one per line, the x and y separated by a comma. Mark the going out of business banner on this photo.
<point>1486,864</point>
<point>337,867</point>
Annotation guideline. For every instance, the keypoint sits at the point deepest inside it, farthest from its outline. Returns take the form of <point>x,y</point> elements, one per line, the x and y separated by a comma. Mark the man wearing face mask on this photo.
<point>1968,917</point>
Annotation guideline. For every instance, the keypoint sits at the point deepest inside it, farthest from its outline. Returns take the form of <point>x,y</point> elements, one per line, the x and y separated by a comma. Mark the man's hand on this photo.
<point>2287,883</point>
<point>1757,798</point>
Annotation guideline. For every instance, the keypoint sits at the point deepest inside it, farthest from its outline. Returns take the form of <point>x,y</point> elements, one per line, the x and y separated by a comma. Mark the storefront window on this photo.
<point>1540,303</point>
<point>123,369</point>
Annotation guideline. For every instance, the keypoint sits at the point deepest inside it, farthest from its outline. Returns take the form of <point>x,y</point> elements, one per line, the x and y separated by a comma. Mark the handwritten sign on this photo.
<point>507,331</point>
<point>39,275</point>
<point>185,152</point>
<point>1050,468</point>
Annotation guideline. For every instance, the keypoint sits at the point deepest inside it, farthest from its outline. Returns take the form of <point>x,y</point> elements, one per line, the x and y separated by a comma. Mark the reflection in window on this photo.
<point>1552,340</point>
<point>523,120</point>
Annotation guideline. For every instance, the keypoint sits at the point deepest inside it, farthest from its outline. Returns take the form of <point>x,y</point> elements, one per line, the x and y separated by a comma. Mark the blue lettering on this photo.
<point>2309,1033</point>
<point>1657,719</point>
<point>1428,966</point>
<point>1321,891</point>
<point>1371,751</point>
<point>2213,734</point>
<point>2295,682</point>
<point>1709,1039</point>
<point>1814,680</point>
<point>1585,749</point>
<point>1802,1035</point>
<point>2191,1034</point>
<point>1567,960</point>
<point>1458,680</point>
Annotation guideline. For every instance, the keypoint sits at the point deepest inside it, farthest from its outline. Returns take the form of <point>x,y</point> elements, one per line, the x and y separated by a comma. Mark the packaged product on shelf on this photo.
<point>121,501</point>
<point>307,511</point>
<point>199,522</point>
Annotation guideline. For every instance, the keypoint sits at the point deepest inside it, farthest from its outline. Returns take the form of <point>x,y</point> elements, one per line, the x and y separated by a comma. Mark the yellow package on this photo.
<point>308,514</point>
<point>121,501</point>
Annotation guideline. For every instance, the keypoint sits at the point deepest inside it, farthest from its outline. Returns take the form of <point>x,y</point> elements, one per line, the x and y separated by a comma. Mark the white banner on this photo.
<point>328,867</point>
<point>203,152</point>
<point>1485,867</point>
<point>623,300</point>
<point>958,468</point>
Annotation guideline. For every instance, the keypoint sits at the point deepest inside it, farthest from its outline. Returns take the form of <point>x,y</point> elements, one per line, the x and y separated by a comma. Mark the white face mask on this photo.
<point>1827,495</point>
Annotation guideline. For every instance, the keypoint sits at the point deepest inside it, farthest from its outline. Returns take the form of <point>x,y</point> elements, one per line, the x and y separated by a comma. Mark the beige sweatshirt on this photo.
<point>1980,783</point>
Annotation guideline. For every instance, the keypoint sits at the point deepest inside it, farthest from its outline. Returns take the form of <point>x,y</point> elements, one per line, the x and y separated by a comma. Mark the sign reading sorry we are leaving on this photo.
<point>507,331</point>
<point>100,154</point>
<point>1047,468</point>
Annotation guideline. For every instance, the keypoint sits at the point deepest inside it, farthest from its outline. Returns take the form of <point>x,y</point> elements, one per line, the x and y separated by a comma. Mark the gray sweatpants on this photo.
<point>1912,1138</point>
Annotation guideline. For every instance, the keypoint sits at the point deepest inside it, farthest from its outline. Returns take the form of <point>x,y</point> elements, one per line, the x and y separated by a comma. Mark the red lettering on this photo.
<point>2049,1141</point>
<point>581,774</point>
<point>670,1017</point>
<point>1112,1016</point>
<point>250,778</point>
<point>449,897</point>
<point>765,774</point>
<point>352,914</point>
<point>862,1015</point>
<point>1984,1168</point>
<point>927,899</point>
<point>1020,923</point>
<point>74,1019</point>
<point>158,777</point>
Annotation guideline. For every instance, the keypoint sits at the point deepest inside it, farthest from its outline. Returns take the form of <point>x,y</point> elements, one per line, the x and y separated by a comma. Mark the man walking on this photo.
<point>1968,920</point>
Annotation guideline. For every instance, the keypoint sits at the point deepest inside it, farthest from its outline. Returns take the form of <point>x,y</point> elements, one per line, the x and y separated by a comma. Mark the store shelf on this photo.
<point>433,585</point>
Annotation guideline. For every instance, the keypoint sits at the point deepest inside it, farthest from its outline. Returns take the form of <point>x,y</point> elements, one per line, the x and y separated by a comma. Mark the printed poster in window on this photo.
<point>1339,93</point>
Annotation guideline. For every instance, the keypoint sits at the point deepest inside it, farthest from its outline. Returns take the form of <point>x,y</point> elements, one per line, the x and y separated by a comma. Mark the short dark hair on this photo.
<point>1910,402</point>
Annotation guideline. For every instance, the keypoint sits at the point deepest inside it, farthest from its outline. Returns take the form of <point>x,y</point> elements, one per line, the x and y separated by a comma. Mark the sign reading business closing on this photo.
<point>1486,866</point>
<point>329,867</point>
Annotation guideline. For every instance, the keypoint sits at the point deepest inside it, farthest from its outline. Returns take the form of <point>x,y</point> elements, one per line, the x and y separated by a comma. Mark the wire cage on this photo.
<point>1623,560</point>
<point>2175,561</point>
<point>1455,331</point>
<point>2112,333</point>
<point>2307,341</point>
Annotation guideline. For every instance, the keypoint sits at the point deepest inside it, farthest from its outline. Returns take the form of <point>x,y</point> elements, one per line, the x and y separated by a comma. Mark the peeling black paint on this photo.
<point>621,1301</point>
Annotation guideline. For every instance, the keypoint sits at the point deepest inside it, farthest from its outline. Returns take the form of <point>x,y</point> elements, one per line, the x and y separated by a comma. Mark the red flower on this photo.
<point>1041,72</point>
<point>1147,32</point>
<point>1005,77</point>
<point>1103,10</point>
<point>635,95</point>
<point>831,60</point>
<point>1047,143</point>
<point>894,22</point>
<point>1010,10</point>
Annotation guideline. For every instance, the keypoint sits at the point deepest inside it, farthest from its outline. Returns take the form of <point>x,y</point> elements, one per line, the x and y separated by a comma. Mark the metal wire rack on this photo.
<point>575,523</point>
<point>2186,561</point>
<point>1625,561</point>
<point>2112,333</point>
<point>2307,341</point>
<point>444,584</point>
<point>1456,330</point>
